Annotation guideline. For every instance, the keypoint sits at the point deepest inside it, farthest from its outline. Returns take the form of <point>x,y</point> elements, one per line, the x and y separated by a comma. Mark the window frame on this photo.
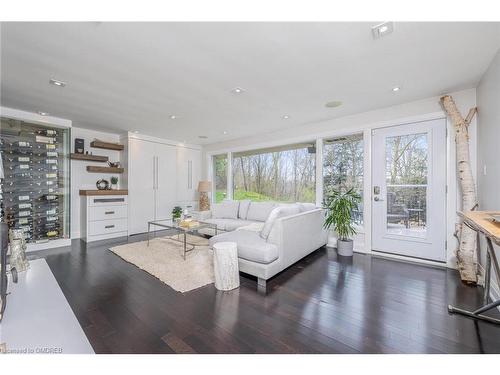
<point>362,137</point>
<point>279,148</point>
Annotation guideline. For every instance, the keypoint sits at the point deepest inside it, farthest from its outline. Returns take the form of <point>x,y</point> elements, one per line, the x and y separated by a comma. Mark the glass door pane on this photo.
<point>35,190</point>
<point>406,183</point>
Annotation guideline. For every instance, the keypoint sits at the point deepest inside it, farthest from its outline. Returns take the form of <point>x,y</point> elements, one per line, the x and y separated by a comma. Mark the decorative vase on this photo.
<point>204,202</point>
<point>345,247</point>
<point>18,250</point>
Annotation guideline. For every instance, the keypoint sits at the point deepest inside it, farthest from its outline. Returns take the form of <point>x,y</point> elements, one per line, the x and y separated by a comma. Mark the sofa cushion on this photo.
<point>250,246</point>
<point>225,210</point>
<point>259,211</point>
<point>276,213</point>
<point>232,224</point>
<point>229,224</point>
<point>243,210</point>
<point>256,226</point>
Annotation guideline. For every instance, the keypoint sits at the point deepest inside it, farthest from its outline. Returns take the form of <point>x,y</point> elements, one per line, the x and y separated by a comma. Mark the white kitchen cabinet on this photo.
<point>188,174</point>
<point>165,191</point>
<point>103,217</point>
<point>151,182</point>
<point>141,183</point>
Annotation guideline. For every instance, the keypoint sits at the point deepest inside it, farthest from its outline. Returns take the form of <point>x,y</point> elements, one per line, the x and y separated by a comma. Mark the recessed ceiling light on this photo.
<point>333,104</point>
<point>396,89</point>
<point>382,29</point>
<point>224,132</point>
<point>43,113</point>
<point>286,117</point>
<point>173,117</point>
<point>56,82</point>
<point>237,90</point>
<point>202,137</point>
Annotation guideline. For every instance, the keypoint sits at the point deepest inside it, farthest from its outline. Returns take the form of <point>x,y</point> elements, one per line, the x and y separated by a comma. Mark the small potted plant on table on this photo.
<point>176,213</point>
<point>339,206</point>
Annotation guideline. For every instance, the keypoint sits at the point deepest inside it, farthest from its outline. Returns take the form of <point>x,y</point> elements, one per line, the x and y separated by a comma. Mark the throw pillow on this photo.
<point>259,211</point>
<point>243,211</point>
<point>225,210</point>
<point>278,212</point>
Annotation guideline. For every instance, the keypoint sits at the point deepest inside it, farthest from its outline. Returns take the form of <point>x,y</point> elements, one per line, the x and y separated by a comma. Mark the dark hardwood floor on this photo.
<point>322,304</point>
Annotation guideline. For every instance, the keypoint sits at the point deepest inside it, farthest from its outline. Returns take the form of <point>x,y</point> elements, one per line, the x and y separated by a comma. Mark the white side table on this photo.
<point>226,269</point>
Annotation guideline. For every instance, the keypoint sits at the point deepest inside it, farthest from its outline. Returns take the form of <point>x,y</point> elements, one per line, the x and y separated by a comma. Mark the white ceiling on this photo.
<point>133,76</point>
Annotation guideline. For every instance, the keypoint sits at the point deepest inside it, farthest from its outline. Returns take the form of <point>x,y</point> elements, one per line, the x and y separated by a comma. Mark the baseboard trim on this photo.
<point>48,245</point>
<point>400,258</point>
<point>405,259</point>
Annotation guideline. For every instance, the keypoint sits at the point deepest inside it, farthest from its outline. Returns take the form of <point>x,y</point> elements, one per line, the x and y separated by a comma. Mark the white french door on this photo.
<point>409,190</point>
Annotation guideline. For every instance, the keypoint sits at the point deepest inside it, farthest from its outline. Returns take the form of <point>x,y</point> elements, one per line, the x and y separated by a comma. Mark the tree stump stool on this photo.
<point>226,271</point>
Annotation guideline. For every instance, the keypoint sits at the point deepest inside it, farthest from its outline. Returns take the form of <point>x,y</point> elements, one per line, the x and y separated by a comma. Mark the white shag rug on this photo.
<point>163,258</point>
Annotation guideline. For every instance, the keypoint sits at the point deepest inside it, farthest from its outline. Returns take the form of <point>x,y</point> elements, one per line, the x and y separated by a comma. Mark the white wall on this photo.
<point>488,100</point>
<point>80,178</point>
<point>407,112</point>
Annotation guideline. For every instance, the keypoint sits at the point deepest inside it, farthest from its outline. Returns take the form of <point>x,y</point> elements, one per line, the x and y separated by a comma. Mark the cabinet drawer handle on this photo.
<point>109,226</point>
<point>108,200</point>
<point>109,212</point>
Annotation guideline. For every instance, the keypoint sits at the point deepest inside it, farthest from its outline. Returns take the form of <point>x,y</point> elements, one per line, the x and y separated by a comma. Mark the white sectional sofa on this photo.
<point>270,236</point>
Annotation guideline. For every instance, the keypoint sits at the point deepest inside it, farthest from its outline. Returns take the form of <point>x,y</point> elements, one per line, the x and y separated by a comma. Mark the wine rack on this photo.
<point>35,188</point>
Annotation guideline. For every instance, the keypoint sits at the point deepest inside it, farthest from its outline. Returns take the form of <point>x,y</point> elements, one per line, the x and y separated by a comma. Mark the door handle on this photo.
<point>154,172</point>
<point>377,199</point>
<point>157,173</point>
<point>109,212</point>
<point>109,226</point>
<point>190,174</point>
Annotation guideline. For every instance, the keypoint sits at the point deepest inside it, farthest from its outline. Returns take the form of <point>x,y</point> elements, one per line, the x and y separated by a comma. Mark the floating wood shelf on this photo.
<point>94,169</point>
<point>103,192</point>
<point>96,158</point>
<point>106,145</point>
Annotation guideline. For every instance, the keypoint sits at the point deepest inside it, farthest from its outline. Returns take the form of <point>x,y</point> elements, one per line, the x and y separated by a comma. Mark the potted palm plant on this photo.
<point>339,206</point>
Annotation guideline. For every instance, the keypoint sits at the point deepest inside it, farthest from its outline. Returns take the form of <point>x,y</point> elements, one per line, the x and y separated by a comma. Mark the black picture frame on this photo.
<point>79,145</point>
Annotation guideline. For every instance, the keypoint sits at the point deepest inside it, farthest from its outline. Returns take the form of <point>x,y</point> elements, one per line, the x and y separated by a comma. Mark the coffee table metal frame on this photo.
<point>181,231</point>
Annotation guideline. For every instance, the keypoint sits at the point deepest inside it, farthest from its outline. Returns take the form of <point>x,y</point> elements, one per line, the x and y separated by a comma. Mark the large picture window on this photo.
<point>220,177</point>
<point>343,167</point>
<point>282,174</point>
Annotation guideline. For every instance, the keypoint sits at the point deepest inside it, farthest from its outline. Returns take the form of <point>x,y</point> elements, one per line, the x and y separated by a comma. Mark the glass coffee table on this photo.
<point>181,232</point>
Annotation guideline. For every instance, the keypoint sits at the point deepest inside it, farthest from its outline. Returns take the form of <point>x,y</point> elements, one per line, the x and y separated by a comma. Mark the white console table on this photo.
<point>481,222</point>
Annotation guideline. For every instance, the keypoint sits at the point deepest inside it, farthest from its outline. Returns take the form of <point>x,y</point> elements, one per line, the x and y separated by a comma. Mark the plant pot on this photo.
<point>345,247</point>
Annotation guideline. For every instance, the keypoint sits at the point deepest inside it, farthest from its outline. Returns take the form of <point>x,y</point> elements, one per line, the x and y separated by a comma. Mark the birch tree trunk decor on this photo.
<point>466,252</point>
